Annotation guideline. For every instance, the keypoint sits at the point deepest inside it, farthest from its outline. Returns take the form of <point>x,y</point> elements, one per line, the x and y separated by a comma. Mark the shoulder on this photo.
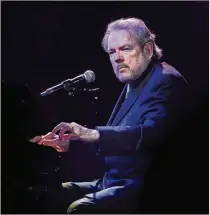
<point>166,70</point>
<point>167,73</point>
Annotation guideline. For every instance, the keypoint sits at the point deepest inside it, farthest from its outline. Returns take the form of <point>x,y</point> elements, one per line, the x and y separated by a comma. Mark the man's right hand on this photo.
<point>52,140</point>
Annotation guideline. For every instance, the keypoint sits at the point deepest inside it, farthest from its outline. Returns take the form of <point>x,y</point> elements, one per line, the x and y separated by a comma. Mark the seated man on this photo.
<point>148,111</point>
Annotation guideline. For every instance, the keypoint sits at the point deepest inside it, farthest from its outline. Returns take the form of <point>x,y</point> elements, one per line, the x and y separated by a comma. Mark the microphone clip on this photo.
<point>80,90</point>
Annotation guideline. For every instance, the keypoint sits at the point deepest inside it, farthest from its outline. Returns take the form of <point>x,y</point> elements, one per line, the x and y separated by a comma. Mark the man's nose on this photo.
<point>118,57</point>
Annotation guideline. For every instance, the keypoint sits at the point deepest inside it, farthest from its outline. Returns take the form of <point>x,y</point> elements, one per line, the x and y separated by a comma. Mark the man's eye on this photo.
<point>127,49</point>
<point>111,52</point>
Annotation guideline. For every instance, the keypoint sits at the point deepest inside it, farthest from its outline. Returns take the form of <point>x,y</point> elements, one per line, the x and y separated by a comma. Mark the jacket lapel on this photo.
<point>129,102</point>
<point>117,106</point>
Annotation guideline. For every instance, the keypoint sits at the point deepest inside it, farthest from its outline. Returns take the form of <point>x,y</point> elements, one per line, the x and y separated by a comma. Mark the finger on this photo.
<point>42,138</point>
<point>41,141</point>
<point>63,130</point>
<point>48,136</point>
<point>60,149</point>
<point>67,137</point>
<point>58,127</point>
<point>48,139</point>
<point>50,142</point>
<point>35,139</point>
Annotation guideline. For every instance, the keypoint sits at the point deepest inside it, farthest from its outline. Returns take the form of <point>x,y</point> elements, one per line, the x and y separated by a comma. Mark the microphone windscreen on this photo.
<point>89,76</point>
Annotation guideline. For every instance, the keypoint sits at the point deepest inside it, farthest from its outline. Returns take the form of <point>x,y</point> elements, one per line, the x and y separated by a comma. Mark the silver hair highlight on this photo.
<point>135,27</point>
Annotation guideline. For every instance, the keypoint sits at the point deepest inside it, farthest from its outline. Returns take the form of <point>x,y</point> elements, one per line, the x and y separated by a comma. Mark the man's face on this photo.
<point>127,58</point>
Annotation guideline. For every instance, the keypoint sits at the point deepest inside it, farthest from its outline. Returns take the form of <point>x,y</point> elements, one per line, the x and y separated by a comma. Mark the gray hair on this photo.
<point>136,27</point>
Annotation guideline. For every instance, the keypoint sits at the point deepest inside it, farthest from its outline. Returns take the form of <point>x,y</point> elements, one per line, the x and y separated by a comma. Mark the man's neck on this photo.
<point>135,83</point>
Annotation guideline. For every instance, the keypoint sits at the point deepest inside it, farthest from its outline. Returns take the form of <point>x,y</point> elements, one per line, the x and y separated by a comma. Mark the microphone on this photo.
<point>88,77</point>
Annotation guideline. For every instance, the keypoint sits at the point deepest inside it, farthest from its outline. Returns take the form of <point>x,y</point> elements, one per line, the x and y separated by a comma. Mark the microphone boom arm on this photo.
<point>88,77</point>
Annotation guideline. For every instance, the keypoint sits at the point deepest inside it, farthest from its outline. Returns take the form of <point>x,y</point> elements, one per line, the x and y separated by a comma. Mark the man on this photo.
<point>144,117</point>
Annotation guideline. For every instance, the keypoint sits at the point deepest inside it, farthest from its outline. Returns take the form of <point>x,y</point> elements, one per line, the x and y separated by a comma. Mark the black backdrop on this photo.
<point>44,43</point>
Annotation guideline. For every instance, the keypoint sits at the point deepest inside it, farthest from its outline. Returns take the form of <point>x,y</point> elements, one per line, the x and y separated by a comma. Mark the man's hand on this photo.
<point>52,140</point>
<point>76,132</point>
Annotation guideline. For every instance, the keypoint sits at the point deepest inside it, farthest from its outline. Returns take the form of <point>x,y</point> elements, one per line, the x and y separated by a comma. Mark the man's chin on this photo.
<point>124,78</point>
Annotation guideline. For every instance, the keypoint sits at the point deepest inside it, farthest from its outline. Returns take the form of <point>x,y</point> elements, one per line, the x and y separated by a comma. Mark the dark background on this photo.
<point>44,43</point>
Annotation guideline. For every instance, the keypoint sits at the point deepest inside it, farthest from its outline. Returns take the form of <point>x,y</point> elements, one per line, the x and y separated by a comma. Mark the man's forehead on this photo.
<point>120,38</point>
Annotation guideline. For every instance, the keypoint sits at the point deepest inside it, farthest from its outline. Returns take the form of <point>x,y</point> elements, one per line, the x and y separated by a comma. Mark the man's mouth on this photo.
<point>122,68</point>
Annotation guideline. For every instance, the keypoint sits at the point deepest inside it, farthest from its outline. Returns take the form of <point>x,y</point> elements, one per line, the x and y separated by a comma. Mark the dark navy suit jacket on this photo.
<point>138,128</point>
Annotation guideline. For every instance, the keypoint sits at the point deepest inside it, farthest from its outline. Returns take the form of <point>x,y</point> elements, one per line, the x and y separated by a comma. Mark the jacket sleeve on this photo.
<point>163,110</point>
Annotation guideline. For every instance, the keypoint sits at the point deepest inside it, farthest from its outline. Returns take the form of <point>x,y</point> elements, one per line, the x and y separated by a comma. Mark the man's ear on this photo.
<point>148,50</point>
